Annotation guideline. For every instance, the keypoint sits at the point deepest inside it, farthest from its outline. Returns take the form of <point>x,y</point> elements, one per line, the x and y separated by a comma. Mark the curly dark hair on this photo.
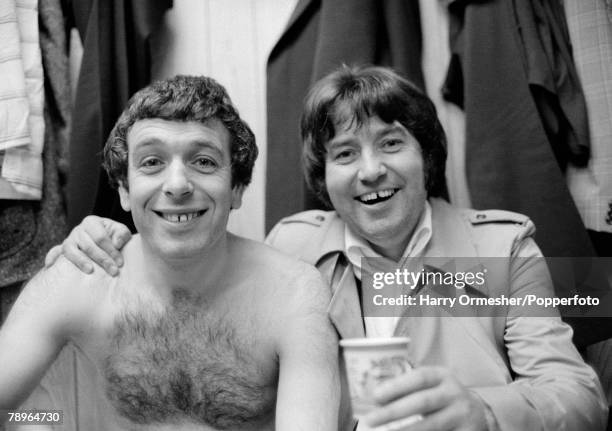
<point>369,91</point>
<point>182,98</point>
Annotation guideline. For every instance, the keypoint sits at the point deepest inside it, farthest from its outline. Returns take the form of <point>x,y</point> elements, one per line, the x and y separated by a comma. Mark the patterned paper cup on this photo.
<point>369,362</point>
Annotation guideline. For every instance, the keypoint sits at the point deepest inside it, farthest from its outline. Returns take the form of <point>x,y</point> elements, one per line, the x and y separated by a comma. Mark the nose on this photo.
<point>177,183</point>
<point>371,168</point>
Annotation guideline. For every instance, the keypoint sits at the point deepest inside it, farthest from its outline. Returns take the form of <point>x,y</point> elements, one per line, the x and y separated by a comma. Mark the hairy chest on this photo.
<point>189,365</point>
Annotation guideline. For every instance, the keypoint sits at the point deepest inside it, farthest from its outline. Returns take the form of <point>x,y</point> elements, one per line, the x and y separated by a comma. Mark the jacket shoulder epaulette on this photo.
<point>311,217</point>
<point>293,234</point>
<point>496,216</point>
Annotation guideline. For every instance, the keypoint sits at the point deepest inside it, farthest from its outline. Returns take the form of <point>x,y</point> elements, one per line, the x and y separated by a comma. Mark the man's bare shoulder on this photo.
<point>269,259</point>
<point>61,295</point>
<point>53,283</point>
<point>287,278</point>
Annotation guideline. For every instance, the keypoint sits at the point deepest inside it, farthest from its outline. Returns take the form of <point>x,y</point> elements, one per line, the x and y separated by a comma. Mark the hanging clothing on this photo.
<point>322,35</point>
<point>21,102</point>
<point>116,63</point>
<point>553,79</point>
<point>28,229</point>
<point>509,160</point>
<point>590,28</point>
<point>436,52</point>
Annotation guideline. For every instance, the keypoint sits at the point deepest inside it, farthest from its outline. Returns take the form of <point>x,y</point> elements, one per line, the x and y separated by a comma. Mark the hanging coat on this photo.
<point>116,63</point>
<point>510,161</point>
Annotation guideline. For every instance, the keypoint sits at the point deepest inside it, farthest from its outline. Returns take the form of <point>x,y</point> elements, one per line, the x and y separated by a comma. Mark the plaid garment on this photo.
<point>590,27</point>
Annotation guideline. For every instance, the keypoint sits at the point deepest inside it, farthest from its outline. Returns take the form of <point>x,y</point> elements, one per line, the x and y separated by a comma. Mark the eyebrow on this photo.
<point>393,128</point>
<point>340,140</point>
<point>207,144</point>
<point>200,143</point>
<point>148,142</point>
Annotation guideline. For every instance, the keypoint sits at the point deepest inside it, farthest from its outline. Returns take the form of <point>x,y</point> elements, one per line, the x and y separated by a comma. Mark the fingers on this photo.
<point>429,391</point>
<point>71,251</point>
<point>418,394</point>
<point>52,255</point>
<point>461,415</point>
<point>83,251</point>
<point>90,243</point>
<point>442,420</point>
<point>95,241</point>
<point>415,380</point>
<point>120,235</point>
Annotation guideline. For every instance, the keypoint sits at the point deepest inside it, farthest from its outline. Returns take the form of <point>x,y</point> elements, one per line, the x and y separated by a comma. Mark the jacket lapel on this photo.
<point>344,309</point>
<point>327,253</point>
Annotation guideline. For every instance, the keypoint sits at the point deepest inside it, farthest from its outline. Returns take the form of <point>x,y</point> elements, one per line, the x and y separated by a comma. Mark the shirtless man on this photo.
<point>202,329</point>
<point>374,150</point>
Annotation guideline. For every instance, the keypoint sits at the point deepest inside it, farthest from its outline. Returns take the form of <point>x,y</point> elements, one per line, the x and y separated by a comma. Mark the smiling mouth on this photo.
<point>179,218</point>
<point>376,197</point>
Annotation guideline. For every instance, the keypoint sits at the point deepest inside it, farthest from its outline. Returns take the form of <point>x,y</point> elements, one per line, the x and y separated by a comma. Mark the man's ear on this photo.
<point>124,197</point>
<point>237,192</point>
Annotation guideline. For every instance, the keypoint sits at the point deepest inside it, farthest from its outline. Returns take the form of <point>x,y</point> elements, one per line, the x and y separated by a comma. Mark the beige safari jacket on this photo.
<point>525,369</point>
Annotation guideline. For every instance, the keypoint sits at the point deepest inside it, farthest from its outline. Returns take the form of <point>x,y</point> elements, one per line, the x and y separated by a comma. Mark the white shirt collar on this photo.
<point>356,247</point>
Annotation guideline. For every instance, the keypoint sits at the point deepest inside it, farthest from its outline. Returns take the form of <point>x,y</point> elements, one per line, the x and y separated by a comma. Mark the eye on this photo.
<point>151,164</point>
<point>392,144</point>
<point>206,164</point>
<point>345,155</point>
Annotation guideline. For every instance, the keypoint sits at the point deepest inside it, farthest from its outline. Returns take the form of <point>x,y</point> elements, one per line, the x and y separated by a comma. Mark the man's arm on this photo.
<point>35,330</point>
<point>553,388</point>
<point>96,241</point>
<point>308,389</point>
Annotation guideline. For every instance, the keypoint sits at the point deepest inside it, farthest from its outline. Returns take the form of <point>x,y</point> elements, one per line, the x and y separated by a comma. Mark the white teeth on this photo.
<point>369,197</point>
<point>179,218</point>
<point>377,195</point>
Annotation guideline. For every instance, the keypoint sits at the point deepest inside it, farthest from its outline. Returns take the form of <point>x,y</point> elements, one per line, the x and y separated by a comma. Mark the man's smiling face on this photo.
<point>179,185</point>
<point>375,180</point>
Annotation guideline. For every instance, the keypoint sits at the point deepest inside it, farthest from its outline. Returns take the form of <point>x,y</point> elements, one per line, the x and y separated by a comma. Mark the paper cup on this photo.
<point>369,362</point>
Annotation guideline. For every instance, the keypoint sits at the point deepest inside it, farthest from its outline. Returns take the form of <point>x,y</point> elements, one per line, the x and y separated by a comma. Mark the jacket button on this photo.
<point>481,216</point>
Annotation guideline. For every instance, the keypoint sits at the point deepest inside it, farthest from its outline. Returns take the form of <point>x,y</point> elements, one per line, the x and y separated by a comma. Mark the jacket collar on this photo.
<point>451,247</point>
<point>450,239</point>
<point>329,241</point>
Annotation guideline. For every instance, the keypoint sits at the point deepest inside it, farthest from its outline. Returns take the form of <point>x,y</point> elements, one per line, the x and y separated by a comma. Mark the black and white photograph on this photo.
<point>305,215</point>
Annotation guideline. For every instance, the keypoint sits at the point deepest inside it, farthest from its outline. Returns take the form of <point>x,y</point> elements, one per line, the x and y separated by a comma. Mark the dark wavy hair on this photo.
<point>182,98</point>
<point>369,91</point>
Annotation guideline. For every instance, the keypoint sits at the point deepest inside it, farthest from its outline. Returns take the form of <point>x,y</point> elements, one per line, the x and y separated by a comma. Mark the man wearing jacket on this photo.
<point>374,151</point>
